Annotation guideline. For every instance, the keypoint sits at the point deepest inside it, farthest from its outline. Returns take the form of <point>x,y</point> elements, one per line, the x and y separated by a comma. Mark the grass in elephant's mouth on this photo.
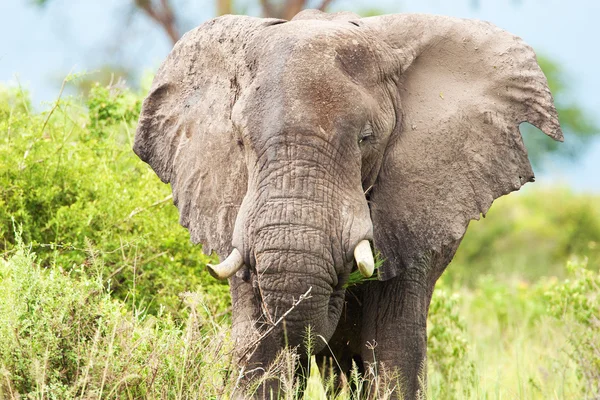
<point>356,278</point>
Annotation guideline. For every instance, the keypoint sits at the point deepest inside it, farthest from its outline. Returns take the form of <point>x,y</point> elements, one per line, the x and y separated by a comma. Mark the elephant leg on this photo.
<point>394,330</point>
<point>344,347</point>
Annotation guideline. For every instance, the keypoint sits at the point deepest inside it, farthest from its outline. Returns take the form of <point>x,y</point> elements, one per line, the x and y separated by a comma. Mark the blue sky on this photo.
<point>40,47</point>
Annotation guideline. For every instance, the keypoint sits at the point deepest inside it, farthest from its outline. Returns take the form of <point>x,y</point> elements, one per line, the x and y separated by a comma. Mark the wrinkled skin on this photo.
<point>293,141</point>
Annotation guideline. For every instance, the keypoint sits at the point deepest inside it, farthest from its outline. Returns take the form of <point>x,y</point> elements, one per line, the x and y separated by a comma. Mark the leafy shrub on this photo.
<point>99,311</point>
<point>63,336</point>
<point>447,347</point>
<point>529,234</point>
<point>71,180</point>
<point>576,303</point>
<point>109,107</point>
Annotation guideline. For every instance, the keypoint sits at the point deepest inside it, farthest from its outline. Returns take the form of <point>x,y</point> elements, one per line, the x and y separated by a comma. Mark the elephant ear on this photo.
<point>464,88</point>
<point>185,131</point>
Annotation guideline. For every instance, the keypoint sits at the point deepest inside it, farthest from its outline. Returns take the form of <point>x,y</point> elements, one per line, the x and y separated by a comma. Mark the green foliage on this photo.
<point>63,336</point>
<point>13,100</point>
<point>99,309</point>
<point>356,278</point>
<point>514,343</point>
<point>109,107</point>
<point>576,302</point>
<point>71,180</point>
<point>447,347</point>
<point>501,339</point>
<point>529,235</point>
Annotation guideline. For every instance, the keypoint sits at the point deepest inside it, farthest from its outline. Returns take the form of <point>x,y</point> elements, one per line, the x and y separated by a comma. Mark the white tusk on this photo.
<point>228,267</point>
<point>364,258</point>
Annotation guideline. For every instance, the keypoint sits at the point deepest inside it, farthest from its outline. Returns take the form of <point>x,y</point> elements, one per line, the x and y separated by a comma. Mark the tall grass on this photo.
<point>63,336</point>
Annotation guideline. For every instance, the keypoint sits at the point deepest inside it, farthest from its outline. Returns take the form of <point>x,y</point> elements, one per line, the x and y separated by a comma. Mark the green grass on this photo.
<point>103,296</point>
<point>64,336</point>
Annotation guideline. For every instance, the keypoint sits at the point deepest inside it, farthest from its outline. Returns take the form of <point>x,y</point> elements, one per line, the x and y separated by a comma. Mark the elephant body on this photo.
<point>289,144</point>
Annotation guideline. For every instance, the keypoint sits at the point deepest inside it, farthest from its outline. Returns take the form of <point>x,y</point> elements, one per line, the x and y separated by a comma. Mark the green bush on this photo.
<point>63,336</point>
<point>576,303</point>
<point>529,234</point>
<point>450,366</point>
<point>109,107</point>
<point>71,181</point>
<point>98,309</point>
<point>68,175</point>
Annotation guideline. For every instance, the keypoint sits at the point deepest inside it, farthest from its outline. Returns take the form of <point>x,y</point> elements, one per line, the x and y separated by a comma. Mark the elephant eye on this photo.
<point>366,133</point>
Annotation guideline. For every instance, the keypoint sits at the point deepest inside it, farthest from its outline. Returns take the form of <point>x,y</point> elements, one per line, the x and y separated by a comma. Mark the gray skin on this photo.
<point>292,141</point>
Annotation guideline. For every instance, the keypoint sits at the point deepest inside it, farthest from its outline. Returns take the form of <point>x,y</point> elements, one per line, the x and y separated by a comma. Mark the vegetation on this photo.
<point>70,180</point>
<point>530,235</point>
<point>103,296</point>
<point>65,337</point>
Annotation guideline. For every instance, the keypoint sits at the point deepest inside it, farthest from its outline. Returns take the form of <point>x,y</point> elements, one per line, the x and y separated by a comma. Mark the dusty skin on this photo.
<point>288,143</point>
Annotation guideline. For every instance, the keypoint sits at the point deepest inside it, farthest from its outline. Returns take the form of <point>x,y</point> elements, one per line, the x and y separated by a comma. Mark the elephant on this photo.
<point>295,148</point>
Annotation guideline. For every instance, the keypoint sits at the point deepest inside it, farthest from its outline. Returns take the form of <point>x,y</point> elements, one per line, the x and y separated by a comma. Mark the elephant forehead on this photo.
<point>307,48</point>
<point>316,72</point>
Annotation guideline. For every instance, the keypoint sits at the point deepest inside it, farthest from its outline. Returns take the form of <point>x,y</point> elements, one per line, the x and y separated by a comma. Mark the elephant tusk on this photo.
<point>364,258</point>
<point>228,267</point>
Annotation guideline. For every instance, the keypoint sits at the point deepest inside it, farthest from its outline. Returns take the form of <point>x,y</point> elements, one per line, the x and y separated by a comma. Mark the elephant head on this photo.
<point>288,144</point>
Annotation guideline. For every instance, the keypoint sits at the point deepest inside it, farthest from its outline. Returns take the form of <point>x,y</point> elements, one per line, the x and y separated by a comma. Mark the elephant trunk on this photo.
<point>302,216</point>
<point>302,269</point>
<point>297,244</point>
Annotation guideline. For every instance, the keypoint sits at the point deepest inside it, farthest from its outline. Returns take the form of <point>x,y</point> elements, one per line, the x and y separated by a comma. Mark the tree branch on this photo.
<point>224,7</point>
<point>292,7</point>
<point>164,17</point>
<point>267,9</point>
<point>324,5</point>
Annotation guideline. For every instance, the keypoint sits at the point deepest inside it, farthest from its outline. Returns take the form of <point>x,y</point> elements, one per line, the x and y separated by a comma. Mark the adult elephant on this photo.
<point>290,145</point>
